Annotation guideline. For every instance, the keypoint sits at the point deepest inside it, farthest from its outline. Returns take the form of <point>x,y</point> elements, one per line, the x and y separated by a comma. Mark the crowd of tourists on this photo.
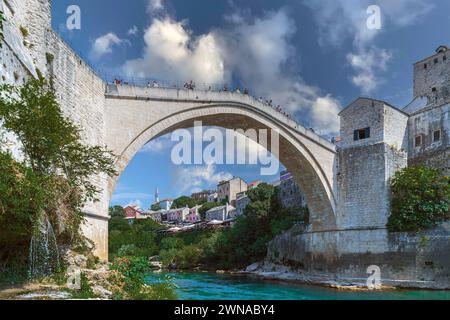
<point>190,85</point>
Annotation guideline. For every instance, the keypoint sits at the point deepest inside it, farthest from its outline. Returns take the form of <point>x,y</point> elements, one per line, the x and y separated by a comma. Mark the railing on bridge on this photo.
<point>150,82</point>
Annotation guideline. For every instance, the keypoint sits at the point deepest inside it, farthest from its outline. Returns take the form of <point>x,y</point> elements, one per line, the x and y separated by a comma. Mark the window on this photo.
<point>425,65</point>
<point>437,135</point>
<point>434,89</point>
<point>444,58</point>
<point>362,134</point>
<point>436,60</point>
<point>418,141</point>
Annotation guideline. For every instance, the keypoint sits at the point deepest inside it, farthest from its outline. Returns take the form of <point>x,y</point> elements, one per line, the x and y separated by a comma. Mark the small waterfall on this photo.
<point>44,253</point>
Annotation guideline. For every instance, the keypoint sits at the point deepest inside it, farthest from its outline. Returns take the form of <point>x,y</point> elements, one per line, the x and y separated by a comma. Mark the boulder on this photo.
<point>102,292</point>
<point>154,259</point>
<point>253,267</point>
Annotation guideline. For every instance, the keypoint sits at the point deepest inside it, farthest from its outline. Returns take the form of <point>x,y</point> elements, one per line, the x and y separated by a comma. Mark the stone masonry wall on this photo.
<point>432,153</point>
<point>405,259</point>
<point>435,75</point>
<point>81,95</point>
<point>361,114</point>
<point>363,186</point>
<point>395,128</point>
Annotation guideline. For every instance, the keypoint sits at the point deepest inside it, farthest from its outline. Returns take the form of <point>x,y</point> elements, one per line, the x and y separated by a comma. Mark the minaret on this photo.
<point>156,195</point>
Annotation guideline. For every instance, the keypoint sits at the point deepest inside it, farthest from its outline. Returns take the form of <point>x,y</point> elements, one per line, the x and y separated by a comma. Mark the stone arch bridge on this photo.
<point>135,115</point>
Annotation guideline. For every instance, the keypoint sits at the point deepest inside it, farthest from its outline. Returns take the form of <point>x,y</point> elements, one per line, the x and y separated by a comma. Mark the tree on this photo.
<point>116,211</point>
<point>155,207</point>
<point>138,239</point>
<point>50,142</point>
<point>420,199</point>
<point>54,181</point>
<point>184,201</point>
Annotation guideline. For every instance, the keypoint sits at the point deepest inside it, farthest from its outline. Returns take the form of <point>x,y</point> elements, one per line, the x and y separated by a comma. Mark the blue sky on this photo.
<point>313,57</point>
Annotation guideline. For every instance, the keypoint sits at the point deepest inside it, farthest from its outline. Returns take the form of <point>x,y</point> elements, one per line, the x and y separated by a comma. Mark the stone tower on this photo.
<point>432,77</point>
<point>429,121</point>
<point>372,148</point>
<point>156,196</point>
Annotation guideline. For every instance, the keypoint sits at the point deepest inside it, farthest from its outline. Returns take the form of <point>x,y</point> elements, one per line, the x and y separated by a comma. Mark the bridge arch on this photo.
<point>311,162</point>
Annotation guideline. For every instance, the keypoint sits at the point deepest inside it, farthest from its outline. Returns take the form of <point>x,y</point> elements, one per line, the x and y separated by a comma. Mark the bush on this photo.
<point>420,199</point>
<point>186,257</point>
<point>133,271</point>
<point>22,198</point>
<point>85,291</point>
<point>186,250</point>
<point>117,211</point>
<point>137,240</point>
<point>184,201</point>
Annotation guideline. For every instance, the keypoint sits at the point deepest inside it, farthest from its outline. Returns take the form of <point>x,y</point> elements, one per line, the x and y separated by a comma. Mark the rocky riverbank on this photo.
<point>83,279</point>
<point>271,271</point>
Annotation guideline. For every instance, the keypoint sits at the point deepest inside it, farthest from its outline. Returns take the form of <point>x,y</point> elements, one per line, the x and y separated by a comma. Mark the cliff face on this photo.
<point>406,259</point>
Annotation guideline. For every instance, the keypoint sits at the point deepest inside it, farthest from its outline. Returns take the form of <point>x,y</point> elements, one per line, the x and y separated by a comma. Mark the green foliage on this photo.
<point>244,243</point>
<point>51,142</point>
<point>85,291</point>
<point>53,180</point>
<point>171,243</point>
<point>50,57</point>
<point>159,291</point>
<point>207,206</point>
<point>137,240</point>
<point>116,211</point>
<point>118,224</point>
<point>420,199</point>
<point>155,207</point>
<point>13,274</point>
<point>133,270</point>
<point>184,201</point>
<point>186,257</point>
<point>423,242</point>
<point>22,198</point>
<point>24,31</point>
<point>185,250</point>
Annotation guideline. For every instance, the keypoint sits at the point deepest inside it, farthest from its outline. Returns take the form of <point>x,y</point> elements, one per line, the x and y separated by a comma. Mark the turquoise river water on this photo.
<point>211,286</point>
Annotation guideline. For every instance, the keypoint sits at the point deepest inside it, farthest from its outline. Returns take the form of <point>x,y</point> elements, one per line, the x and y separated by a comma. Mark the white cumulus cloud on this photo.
<point>255,50</point>
<point>155,5</point>
<point>104,44</point>
<point>367,64</point>
<point>157,145</point>
<point>170,49</point>
<point>325,113</point>
<point>132,31</point>
<point>340,20</point>
<point>194,177</point>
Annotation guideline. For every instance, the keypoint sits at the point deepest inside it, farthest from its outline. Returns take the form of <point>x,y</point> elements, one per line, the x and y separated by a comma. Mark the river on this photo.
<point>211,286</point>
